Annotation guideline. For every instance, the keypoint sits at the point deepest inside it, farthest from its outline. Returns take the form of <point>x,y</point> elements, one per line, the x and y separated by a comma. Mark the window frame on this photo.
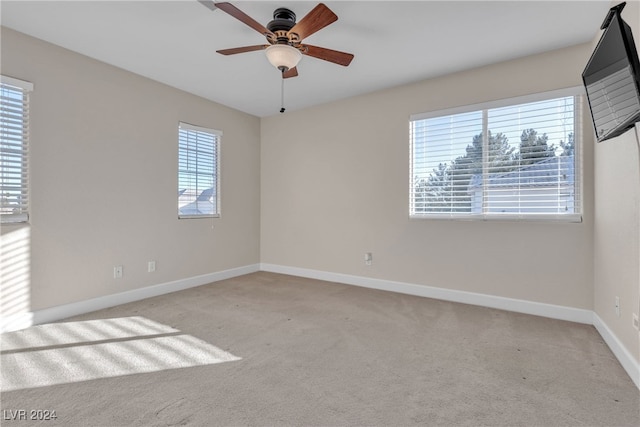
<point>23,214</point>
<point>579,98</point>
<point>217,140</point>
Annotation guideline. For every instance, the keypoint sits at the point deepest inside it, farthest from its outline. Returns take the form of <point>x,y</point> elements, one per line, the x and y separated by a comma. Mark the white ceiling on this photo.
<point>394,42</point>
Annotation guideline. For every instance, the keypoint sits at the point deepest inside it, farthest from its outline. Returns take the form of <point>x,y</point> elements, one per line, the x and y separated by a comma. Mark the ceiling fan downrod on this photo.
<point>282,94</point>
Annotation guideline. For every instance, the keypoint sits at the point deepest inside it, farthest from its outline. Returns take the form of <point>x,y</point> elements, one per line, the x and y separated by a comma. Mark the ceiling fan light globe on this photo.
<point>283,56</point>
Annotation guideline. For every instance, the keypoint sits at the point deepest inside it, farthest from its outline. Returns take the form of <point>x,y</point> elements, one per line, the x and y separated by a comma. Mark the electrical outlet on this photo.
<point>151,266</point>
<point>368,258</point>
<point>636,323</point>
<point>117,272</point>
<point>617,306</point>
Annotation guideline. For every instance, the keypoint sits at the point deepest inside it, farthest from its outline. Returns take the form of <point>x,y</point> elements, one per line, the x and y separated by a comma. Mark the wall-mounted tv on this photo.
<point>612,79</point>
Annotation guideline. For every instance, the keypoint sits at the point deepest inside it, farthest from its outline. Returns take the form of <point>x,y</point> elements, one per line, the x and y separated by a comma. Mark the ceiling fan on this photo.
<point>284,35</point>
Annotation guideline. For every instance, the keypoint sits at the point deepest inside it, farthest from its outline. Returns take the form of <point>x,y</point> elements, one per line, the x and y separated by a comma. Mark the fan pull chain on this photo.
<point>282,94</point>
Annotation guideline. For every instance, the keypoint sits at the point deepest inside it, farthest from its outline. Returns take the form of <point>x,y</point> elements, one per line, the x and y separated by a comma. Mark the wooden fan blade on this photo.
<point>337,57</point>
<point>319,17</point>
<point>292,72</point>
<point>243,49</point>
<point>243,17</point>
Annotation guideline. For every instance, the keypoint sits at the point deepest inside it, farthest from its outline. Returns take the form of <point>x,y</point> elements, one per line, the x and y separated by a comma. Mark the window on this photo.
<point>198,172</point>
<point>511,159</point>
<point>14,150</point>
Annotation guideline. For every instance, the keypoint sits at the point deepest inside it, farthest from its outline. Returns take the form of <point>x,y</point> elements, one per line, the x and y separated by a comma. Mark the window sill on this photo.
<point>14,219</point>
<point>561,218</point>
<point>198,216</point>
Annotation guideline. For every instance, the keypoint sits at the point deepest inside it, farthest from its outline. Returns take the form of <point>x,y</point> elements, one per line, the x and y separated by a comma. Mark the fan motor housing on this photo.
<point>283,20</point>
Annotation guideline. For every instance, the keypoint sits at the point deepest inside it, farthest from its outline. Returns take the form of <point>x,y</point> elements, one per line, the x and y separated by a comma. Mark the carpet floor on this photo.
<point>268,349</point>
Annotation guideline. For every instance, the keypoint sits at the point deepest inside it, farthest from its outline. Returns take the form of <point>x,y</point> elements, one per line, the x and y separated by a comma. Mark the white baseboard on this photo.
<point>626,359</point>
<point>628,362</point>
<point>490,301</point>
<point>15,322</point>
<point>52,314</point>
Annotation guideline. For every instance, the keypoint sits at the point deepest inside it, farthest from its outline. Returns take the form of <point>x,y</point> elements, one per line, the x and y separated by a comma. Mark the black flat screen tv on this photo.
<point>612,79</point>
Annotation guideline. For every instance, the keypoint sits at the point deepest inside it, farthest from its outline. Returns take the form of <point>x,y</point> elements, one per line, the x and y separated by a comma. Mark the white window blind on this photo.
<point>14,149</point>
<point>512,159</point>
<point>198,171</point>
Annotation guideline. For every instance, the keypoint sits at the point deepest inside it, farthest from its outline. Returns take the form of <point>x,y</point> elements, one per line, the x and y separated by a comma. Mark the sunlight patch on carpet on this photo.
<point>61,353</point>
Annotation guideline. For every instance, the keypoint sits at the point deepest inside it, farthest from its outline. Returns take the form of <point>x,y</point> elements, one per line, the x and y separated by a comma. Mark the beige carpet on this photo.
<point>272,350</point>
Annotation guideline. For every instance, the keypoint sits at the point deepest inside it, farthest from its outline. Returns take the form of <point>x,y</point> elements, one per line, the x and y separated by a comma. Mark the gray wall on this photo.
<point>335,184</point>
<point>104,182</point>
<point>617,223</point>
